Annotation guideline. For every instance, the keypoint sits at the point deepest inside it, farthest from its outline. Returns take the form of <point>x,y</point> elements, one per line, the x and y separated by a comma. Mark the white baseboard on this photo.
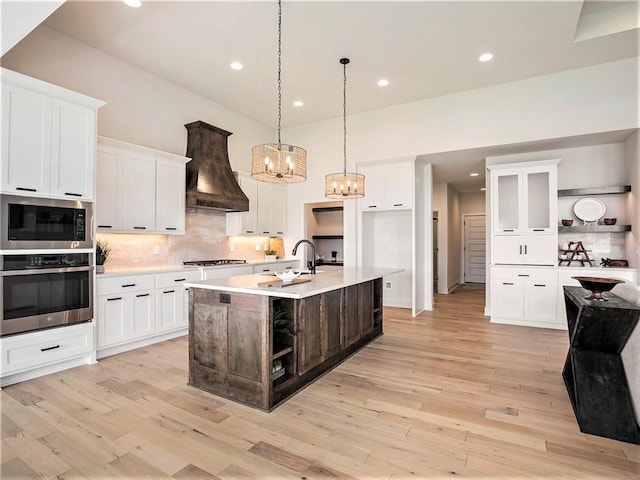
<point>125,347</point>
<point>10,379</point>
<point>529,323</point>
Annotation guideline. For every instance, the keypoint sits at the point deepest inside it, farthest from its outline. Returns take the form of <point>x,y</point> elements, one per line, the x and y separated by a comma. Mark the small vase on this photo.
<point>269,258</point>
<point>99,268</point>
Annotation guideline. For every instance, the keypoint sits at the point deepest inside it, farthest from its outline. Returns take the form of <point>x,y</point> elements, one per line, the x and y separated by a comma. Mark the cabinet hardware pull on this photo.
<point>179,279</point>
<point>507,283</point>
<point>170,228</point>
<point>49,348</point>
<point>26,189</point>
<point>397,204</point>
<point>168,291</point>
<point>508,230</point>
<point>520,249</point>
<point>280,233</point>
<point>538,229</point>
<point>142,295</point>
<point>71,194</point>
<point>538,285</point>
<point>265,232</point>
<point>523,275</point>
<point>248,231</point>
<point>372,206</point>
<point>525,249</point>
<point>105,226</point>
<point>113,299</point>
<point>139,228</point>
<point>129,285</point>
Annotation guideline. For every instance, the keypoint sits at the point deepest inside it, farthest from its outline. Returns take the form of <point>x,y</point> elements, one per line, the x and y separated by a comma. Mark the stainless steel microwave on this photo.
<point>45,224</point>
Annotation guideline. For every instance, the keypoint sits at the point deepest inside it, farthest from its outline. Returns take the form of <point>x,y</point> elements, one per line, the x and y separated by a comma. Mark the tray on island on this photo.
<point>280,283</point>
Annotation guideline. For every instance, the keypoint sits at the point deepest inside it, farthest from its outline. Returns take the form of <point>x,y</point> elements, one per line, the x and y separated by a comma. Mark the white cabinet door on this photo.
<point>507,249</point>
<point>507,299</point>
<point>142,316</point>
<point>278,210</point>
<point>139,188</point>
<point>112,319</point>
<point>265,191</point>
<point>170,194</point>
<point>375,187</point>
<point>540,300</point>
<point>72,151</point>
<point>26,141</point>
<point>109,211</point>
<point>170,309</point>
<point>539,249</point>
<point>245,223</point>
<point>399,180</point>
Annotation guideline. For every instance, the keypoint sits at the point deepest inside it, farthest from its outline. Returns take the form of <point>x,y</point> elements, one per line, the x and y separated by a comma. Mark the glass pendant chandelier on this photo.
<point>278,162</point>
<point>344,185</point>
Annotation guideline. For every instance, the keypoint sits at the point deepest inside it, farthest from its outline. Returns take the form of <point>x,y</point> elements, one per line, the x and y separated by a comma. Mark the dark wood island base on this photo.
<point>233,347</point>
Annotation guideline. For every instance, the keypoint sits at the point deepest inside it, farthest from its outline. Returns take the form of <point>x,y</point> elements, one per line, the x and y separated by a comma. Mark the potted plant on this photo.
<point>103,250</point>
<point>270,255</point>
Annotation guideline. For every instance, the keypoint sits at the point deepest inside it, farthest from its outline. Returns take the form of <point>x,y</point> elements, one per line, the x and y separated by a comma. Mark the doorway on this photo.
<point>474,248</point>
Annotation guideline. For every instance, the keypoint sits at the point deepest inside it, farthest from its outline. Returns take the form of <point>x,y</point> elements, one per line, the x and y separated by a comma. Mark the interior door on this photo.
<point>475,238</point>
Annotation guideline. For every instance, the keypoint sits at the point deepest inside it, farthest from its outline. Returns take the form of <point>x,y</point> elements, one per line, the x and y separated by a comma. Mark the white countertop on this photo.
<point>325,281</point>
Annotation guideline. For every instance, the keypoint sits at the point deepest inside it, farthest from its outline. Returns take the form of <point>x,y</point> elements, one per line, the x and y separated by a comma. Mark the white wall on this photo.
<point>472,203</point>
<point>454,239</point>
<point>20,17</point>
<point>141,108</point>
<point>632,169</point>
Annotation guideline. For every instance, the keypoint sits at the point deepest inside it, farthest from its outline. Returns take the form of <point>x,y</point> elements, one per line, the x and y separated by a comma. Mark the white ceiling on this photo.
<point>424,48</point>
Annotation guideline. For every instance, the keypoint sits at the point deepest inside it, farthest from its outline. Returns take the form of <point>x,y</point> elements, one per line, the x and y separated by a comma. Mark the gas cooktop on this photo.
<point>220,261</point>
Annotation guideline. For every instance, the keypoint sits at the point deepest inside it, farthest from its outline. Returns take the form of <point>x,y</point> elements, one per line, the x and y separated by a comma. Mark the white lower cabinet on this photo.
<point>524,250</point>
<point>126,310</point>
<point>33,354</point>
<point>172,300</point>
<point>524,296</point>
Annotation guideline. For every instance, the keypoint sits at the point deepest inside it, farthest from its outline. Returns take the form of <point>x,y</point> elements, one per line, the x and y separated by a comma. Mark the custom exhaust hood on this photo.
<point>210,180</point>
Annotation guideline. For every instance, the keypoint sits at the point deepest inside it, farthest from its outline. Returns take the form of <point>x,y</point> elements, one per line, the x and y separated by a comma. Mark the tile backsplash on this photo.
<point>205,238</point>
<point>598,245</point>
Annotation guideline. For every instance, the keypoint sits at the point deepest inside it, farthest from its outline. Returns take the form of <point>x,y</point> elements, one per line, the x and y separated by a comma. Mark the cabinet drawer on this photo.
<point>124,284</point>
<point>176,279</point>
<point>526,274</point>
<point>43,348</point>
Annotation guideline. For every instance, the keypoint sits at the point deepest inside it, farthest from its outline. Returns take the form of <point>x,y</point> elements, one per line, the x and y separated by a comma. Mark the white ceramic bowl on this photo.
<point>287,275</point>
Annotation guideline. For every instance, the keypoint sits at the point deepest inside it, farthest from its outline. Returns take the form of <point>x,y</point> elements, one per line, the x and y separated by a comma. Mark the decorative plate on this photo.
<point>589,209</point>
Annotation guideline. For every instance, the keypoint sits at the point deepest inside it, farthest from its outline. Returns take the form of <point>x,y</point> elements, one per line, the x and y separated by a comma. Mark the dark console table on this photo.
<point>593,372</point>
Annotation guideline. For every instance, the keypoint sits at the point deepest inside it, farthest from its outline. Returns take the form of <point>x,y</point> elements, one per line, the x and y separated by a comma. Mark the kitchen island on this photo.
<point>258,345</point>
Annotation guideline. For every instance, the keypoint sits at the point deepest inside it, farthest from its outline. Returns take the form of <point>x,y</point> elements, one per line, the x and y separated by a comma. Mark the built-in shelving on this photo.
<point>328,237</point>
<point>327,209</point>
<point>575,192</point>
<point>282,353</point>
<point>595,229</point>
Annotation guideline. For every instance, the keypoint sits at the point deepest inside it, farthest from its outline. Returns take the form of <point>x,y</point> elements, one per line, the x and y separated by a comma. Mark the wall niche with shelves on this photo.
<point>614,199</point>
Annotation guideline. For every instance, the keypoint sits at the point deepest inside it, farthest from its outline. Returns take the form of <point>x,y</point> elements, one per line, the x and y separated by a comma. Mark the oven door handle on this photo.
<point>35,271</point>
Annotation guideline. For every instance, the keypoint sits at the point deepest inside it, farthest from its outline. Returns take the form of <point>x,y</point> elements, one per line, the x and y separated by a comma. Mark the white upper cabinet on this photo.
<point>524,210</point>
<point>267,209</point>
<point>139,189</point>
<point>388,186</point>
<point>524,199</point>
<point>48,139</point>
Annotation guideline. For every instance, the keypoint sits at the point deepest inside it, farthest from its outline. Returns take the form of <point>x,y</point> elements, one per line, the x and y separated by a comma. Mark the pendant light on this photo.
<point>344,185</point>
<point>278,162</point>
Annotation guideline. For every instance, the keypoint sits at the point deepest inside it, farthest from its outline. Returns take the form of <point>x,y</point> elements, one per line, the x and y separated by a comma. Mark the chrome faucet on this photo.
<point>312,264</point>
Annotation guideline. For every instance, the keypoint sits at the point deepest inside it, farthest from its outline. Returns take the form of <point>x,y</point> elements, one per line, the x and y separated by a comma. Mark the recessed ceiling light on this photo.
<point>298,103</point>
<point>383,83</point>
<point>133,3</point>
<point>485,57</point>
<point>482,189</point>
<point>236,66</point>
<point>474,174</point>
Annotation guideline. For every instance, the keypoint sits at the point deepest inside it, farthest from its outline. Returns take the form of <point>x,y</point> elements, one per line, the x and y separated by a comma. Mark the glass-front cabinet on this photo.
<point>524,209</point>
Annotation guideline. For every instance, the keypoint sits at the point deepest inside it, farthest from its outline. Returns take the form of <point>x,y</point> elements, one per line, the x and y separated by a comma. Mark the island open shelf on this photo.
<point>242,336</point>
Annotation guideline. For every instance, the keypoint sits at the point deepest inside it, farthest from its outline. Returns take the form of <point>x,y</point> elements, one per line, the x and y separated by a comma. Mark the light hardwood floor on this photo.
<point>440,396</point>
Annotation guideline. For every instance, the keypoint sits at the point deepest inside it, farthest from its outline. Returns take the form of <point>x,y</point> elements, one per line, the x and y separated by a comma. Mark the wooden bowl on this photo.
<point>567,223</point>
<point>597,285</point>
<point>609,221</point>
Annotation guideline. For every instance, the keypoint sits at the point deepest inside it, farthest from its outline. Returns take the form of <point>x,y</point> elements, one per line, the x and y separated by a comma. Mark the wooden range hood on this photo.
<point>210,180</point>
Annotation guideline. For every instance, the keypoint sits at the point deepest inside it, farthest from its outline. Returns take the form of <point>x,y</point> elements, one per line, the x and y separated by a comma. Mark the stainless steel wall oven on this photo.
<point>44,223</point>
<point>45,290</point>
